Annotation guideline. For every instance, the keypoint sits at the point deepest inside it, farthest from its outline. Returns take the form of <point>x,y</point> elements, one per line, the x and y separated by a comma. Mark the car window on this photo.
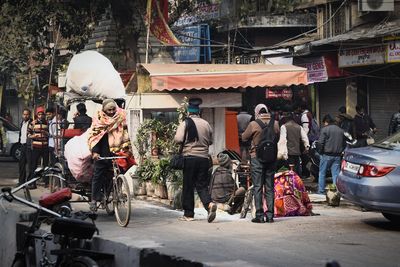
<point>392,142</point>
<point>8,126</point>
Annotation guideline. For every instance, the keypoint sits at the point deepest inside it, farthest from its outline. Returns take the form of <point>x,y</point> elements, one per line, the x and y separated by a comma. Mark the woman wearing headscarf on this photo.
<point>262,174</point>
<point>107,135</point>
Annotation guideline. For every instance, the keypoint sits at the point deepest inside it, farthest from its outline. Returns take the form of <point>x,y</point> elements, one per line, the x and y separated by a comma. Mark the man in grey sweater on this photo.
<point>331,144</point>
<point>196,135</point>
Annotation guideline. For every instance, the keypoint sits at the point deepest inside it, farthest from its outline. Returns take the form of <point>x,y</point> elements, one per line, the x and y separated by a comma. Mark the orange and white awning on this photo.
<point>222,76</point>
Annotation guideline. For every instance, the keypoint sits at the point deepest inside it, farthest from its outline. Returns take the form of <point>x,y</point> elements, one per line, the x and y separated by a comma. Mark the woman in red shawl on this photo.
<point>107,135</point>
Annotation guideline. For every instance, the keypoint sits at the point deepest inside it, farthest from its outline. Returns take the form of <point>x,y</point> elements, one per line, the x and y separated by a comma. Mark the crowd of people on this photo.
<point>287,136</point>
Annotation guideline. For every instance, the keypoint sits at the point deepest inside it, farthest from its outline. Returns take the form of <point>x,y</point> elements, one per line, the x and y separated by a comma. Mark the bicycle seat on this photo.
<point>73,228</point>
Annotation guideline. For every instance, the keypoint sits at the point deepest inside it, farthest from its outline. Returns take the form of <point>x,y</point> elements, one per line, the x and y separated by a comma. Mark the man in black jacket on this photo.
<point>345,121</point>
<point>24,161</point>
<point>394,125</point>
<point>364,126</point>
<point>81,120</point>
<point>331,144</point>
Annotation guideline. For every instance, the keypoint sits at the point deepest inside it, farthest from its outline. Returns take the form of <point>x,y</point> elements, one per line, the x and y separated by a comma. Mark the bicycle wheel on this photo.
<point>248,199</point>
<point>81,261</point>
<point>122,200</point>
<point>55,183</point>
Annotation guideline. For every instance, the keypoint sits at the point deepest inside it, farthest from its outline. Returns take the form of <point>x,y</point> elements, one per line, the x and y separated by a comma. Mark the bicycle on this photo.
<point>73,236</point>
<point>248,203</point>
<point>117,198</point>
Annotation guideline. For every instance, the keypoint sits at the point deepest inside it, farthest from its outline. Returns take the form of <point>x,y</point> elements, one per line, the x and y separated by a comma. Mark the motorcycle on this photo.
<point>314,155</point>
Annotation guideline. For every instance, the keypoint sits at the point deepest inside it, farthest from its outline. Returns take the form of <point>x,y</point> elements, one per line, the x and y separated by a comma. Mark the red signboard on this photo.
<point>279,93</point>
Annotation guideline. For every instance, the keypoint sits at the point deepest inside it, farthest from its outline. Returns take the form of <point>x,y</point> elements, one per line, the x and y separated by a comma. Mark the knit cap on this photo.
<point>224,161</point>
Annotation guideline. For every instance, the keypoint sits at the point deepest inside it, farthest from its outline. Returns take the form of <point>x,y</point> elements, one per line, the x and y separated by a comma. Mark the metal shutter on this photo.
<point>384,99</point>
<point>332,95</point>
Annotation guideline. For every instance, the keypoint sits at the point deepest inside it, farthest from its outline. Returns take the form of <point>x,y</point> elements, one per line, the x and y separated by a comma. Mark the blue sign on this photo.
<point>198,40</point>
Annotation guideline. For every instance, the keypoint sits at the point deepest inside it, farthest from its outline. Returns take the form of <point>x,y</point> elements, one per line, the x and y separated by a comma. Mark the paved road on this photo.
<point>345,234</point>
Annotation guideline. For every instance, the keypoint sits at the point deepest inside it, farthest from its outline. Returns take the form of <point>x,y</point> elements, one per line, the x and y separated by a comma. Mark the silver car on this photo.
<point>370,177</point>
<point>12,147</point>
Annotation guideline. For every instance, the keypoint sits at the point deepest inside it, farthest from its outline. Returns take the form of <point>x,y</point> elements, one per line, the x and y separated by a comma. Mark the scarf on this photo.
<point>115,127</point>
<point>257,110</point>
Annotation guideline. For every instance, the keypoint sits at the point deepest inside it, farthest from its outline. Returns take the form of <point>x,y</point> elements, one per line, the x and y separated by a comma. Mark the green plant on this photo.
<point>330,187</point>
<point>145,170</point>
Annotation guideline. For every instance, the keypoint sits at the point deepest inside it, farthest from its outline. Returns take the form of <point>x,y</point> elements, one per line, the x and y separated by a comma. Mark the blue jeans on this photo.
<point>262,176</point>
<point>326,162</point>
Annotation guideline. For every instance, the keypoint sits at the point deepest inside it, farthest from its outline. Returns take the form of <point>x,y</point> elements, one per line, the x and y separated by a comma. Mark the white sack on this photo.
<point>92,74</point>
<point>79,158</point>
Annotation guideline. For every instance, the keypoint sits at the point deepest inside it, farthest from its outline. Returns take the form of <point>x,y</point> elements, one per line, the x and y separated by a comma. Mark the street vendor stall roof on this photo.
<point>216,76</point>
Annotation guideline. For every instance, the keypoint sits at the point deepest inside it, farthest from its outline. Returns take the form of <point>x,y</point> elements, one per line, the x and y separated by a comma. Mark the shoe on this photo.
<point>258,220</point>
<point>270,220</point>
<point>93,206</point>
<point>212,212</point>
<point>186,219</point>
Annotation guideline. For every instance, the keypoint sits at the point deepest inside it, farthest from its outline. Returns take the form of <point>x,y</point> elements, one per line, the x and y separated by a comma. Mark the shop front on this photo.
<point>162,88</point>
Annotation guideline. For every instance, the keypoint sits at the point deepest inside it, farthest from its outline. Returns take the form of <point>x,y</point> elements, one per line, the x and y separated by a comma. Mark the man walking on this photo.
<point>394,125</point>
<point>25,158</point>
<point>262,174</point>
<point>243,120</point>
<point>38,132</point>
<point>331,144</point>
<point>52,124</point>
<point>345,121</point>
<point>196,135</point>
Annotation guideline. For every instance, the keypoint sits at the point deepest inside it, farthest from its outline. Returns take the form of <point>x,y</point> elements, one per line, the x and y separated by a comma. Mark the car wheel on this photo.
<point>16,151</point>
<point>394,218</point>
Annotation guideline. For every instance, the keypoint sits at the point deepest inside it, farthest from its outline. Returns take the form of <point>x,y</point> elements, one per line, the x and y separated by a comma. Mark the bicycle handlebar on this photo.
<point>113,157</point>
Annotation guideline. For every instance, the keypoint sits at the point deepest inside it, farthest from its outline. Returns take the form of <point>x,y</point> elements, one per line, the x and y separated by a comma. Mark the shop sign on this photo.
<point>247,59</point>
<point>198,39</point>
<point>393,51</point>
<point>361,56</point>
<point>285,93</point>
<point>203,12</point>
<point>316,69</point>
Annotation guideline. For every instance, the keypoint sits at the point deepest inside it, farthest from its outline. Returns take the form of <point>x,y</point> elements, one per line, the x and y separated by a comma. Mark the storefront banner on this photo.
<point>316,69</point>
<point>393,51</point>
<point>279,93</point>
<point>361,56</point>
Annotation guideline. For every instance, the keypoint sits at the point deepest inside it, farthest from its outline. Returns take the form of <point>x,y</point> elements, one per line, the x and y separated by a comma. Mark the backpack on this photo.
<point>313,129</point>
<point>222,185</point>
<point>267,149</point>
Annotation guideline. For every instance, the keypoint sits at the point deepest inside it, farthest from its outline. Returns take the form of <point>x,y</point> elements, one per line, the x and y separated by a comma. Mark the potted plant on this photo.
<point>145,172</point>
<point>332,195</point>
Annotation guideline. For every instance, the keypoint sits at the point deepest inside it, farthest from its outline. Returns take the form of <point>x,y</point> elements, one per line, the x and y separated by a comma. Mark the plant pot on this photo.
<point>332,197</point>
<point>140,189</point>
<point>161,191</point>
<point>149,189</point>
<point>172,187</point>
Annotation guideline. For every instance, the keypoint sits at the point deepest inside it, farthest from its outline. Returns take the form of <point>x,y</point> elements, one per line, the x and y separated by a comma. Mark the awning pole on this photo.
<point>147,42</point>
<point>229,47</point>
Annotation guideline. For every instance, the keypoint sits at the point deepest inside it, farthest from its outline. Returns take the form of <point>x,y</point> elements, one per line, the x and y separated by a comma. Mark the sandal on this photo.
<point>186,219</point>
<point>93,206</point>
<point>212,212</point>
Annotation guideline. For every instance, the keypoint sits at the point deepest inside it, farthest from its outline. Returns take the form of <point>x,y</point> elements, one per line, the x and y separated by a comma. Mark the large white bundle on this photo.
<point>92,74</point>
<point>79,158</point>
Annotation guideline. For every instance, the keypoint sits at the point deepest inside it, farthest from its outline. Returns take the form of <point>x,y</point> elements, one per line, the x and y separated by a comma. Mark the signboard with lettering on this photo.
<point>393,51</point>
<point>316,68</point>
<point>285,93</point>
<point>361,56</point>
<point>198,40</point>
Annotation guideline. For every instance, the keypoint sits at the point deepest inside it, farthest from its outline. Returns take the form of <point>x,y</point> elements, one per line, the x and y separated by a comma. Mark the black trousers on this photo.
<point>36,154</point>
<point>52,156</point>
<point>195,176</point>
<point>24,163</point>
<point>100,176</point>
<point>295,160</point>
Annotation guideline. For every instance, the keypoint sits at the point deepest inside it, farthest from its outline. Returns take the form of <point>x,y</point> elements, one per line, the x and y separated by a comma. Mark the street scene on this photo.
<point>200,133</point>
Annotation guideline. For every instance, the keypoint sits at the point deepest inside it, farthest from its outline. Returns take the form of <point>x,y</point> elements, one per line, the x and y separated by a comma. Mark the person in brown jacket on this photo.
<point>262,174</point>
<point>196,135</point>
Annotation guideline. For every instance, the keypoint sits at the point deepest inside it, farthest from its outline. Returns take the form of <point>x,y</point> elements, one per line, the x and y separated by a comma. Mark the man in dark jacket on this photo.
<point>394,125</point>
<point>364,126</point>
<point>25,158</point>
<point>345,121</point>
<point>81,120</point>
<point>331,144</point>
